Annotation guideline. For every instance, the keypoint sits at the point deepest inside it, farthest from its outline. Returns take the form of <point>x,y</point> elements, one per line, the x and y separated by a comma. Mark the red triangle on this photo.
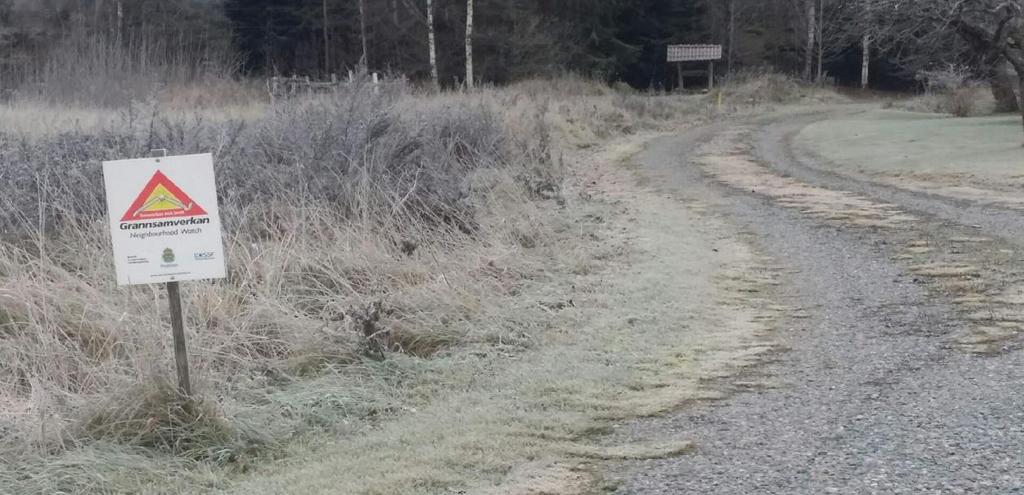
<point>177,204</point>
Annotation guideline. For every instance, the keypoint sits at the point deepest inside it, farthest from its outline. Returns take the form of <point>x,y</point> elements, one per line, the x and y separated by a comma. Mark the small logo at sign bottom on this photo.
<point>168,255</point>
<point>204,256</point>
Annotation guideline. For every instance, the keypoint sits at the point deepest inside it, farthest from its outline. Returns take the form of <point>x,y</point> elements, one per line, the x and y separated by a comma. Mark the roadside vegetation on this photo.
<point>387,247</point>
<point>380,240</point>
<point>433,286</point>
<point>952,89</point>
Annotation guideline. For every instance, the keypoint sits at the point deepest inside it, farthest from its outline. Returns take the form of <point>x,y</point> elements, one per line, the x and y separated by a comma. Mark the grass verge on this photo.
<point>422,292</point>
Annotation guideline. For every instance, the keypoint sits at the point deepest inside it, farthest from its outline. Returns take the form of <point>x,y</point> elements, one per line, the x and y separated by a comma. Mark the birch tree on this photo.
<point>428,19</point>
<point>432,44</point>
<point>839,28</point>
<point>865,47</point>
<point>820,22</point>
<point>865,61</point>
<point>469,44</point>
<point>810,9</point>
<point>731,29</point>
<point>327,38</point>
<point>120,21</point>
<point>365,59</point>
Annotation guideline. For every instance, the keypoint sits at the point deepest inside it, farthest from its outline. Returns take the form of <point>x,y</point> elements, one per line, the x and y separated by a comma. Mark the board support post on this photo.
<point>178,332</point>
<point>177,321</point>
<point>679,54</point>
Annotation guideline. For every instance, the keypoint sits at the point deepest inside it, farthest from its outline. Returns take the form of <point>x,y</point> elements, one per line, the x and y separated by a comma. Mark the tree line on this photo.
<point>420,39</point>
<point>465,41</point>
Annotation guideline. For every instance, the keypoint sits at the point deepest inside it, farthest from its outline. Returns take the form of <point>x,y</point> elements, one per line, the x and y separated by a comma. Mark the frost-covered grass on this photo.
<point>391,251</point>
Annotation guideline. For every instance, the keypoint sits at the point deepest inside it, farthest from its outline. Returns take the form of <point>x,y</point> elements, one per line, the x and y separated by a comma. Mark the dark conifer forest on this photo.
<point>609,39</point>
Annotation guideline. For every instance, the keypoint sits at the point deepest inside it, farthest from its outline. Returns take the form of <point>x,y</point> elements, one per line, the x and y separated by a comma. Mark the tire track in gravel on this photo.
<point>966,252</point>
<point>870,397</point>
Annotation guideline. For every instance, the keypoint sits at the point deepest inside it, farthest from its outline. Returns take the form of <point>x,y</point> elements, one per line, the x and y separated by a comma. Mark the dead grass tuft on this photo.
<point>543,478</point>
<point>727,158</point>
<point>953,270</point>
<point>156,416</point>
<point>662,450</point>
<point>951,90</point>
<point>753,88</point>
<point>972,101</point>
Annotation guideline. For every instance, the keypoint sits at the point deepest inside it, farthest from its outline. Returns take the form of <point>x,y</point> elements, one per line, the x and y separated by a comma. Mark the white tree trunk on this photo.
<point>327,40</point>
<point>120,21</point>
<point>365,61</point>
<point>732,36</point>
<point>812,29</point>
<point>469,44</point>
<point>432,44</point>
<point>821,42</point>
<point>865,63</point>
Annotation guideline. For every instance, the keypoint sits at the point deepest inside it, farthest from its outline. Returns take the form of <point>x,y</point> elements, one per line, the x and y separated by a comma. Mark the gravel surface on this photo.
<point>772,143</point>
<point>869,396</point>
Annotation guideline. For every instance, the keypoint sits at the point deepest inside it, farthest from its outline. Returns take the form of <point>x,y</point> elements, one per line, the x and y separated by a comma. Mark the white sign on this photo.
<point>694,53</point>
<point>164,219</point>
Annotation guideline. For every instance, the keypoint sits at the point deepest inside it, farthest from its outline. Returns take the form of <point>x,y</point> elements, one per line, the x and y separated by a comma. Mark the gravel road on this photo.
<point>869,395</point>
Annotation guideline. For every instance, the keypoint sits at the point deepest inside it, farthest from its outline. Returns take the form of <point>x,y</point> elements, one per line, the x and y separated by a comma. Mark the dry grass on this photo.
<point>623,349</point>
<point>994,316</point>
<point>443,223</point>
<point>968,101</point>
<point>991,313</point>
<point>727,158</point>
<point>430,211</point>
<point>953,270</point>
<point>662,450</point>
<point>37,119</point>
<point>433,210</point>
<point>973,159</point>
<point>951,89</point>
<point>763,89</point>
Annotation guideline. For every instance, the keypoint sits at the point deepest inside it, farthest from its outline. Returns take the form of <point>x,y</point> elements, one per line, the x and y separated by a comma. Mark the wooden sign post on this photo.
<point>165,228</point>
<point>680,54</point>
<point>178,333</point>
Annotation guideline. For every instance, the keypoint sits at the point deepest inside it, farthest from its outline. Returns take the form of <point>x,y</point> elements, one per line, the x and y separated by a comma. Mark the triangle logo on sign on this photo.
<point>161,198</point>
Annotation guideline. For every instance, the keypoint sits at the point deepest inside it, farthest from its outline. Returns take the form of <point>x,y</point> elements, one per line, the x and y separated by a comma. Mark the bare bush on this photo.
<point>335,208</point>
<point>951,89</point>
<point>362,151</point>
<point>948,78</point>
<point>752,88</point>
<point>763,86</point>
